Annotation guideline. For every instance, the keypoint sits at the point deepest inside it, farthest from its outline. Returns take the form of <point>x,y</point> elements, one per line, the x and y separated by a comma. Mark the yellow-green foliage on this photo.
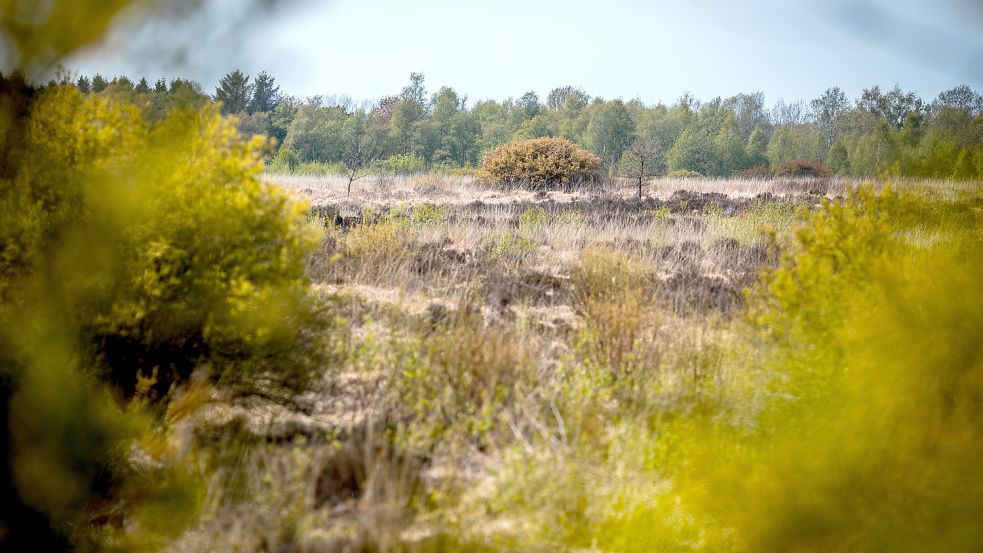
<point>891,461</point>
<point>532,217</point>
<point>132,255</point>
<point>866,426</point>
<point>878,446</point>
<point>803,302</point>
<point>428,214</point>
<point>513,247</point>
<point>852,422</point>
<point>540,161</point>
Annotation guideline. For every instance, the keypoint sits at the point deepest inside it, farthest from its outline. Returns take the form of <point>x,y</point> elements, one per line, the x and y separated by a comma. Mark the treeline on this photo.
<point>414,130</point>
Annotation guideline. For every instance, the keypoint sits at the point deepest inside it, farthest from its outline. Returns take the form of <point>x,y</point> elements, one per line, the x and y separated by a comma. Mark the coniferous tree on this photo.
<point>235,92</point>
<point>123,82</point>
<point>266,95</point>
<point>99,83</point>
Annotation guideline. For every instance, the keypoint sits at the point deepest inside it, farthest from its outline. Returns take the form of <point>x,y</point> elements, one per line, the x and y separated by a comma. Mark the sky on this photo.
<point>653,50</point>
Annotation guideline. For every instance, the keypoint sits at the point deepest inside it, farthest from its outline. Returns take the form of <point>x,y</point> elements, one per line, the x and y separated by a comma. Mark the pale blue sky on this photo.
<point>653,50</point>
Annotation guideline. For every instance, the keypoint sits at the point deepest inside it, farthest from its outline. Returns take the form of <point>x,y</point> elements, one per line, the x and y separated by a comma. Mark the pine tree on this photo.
<point>266,95</point>
<point>99,83</point>
<point>235,92</point>
<point>143,87</point>
<point>83,84</point>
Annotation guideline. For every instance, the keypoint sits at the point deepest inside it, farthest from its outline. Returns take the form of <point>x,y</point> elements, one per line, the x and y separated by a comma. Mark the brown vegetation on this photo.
<point>541,161</point>
<point>802,168</point>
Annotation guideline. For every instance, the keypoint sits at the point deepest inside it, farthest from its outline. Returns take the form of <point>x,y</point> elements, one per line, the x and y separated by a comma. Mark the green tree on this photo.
<point>692,151</point>
<point>528,105</point>
<point>749,111</point>
<point>99,83</point>
<point>839,159</point>
<point>568,97</point>
<point>316,133</point>
<point>609,129</point>
<point>282,116</point>
<point>266,94</point>
<point>757,147</point>
<point>826,111</point>
<point>729,149</point>
<point>961,98</point>
<point>235,92</point>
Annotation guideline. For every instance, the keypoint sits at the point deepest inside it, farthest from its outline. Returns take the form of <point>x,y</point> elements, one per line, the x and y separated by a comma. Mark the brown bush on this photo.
<point>540,161</point>
<point>802,168</point>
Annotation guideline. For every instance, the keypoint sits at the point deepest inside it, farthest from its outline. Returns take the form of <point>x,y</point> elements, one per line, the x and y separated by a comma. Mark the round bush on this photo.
<point>802,168</point>
<point>541,161</point>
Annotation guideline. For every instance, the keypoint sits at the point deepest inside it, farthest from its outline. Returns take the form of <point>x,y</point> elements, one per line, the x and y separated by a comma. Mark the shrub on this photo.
<point>465,172</point>
<point>755,172</point>
<point>285,161</point>
<point>684,174</point>
<point>513,247</point>
<point>403,164</point>
<point>429,183</point>
<point>540,161</point>
<point>802,168</point>
<point>615,298</point>
<point>874,428</point>
<point>454,381</point>
<point>532,217</point>
<point>132,255</point>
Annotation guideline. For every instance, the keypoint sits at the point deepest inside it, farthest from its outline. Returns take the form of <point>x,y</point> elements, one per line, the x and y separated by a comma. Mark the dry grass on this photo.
<point>514,344</point>
<point>451,190</point>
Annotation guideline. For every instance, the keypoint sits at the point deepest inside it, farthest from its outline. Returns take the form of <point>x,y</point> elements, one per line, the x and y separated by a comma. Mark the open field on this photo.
<point>508,358</point>
<point>619,295</point>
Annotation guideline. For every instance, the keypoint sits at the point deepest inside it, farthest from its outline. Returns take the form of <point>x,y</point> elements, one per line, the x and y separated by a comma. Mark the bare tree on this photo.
<point>640,159</point>
<point>364,145</point>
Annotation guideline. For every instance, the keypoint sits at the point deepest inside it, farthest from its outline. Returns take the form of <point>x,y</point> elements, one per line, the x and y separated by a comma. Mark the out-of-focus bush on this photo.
<point>134,255</point>
<point>540,161</point>
<point>872,437</point>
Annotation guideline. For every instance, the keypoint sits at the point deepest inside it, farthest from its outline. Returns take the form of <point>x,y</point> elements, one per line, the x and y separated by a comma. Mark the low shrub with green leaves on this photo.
<point>136,257</point>
<point>540,161</point>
